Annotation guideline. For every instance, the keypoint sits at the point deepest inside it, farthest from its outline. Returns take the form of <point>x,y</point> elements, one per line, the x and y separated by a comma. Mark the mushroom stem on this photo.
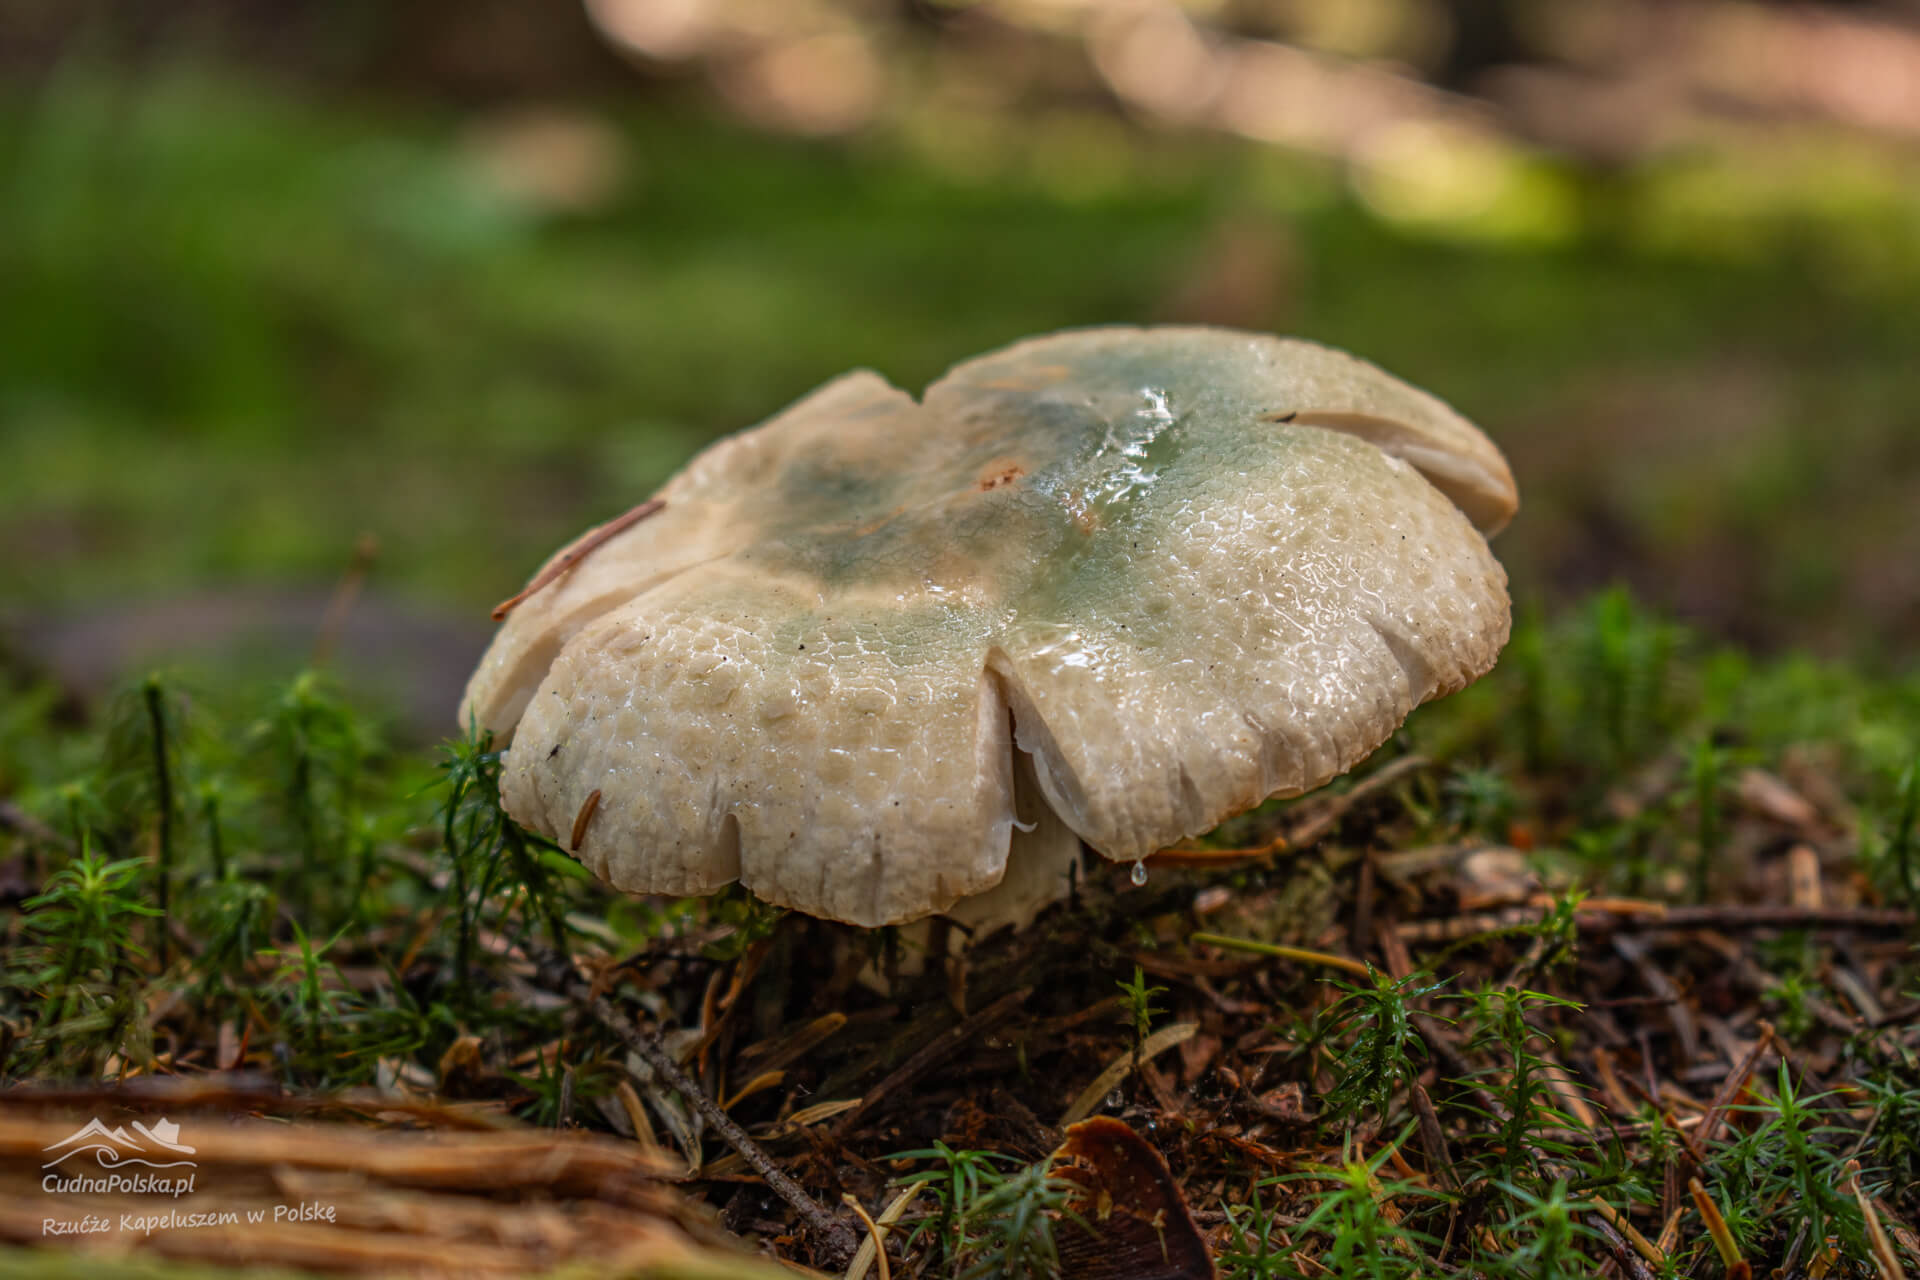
<point>557,972</point>
<point>613,527</point>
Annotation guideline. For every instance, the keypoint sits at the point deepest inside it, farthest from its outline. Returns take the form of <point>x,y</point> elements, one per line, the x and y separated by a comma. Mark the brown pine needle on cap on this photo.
<point>581,819</point>
<point>612,528</point>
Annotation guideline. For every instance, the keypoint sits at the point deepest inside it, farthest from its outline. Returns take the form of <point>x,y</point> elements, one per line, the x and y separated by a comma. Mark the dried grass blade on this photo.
<point>1274,949</point>
<point>1884,1258</point>
<point>875,1245</point>
<point>1121,1067</point>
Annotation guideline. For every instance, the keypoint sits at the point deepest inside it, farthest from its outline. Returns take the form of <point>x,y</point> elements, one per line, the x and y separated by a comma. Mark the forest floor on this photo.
<point>1605,966</point>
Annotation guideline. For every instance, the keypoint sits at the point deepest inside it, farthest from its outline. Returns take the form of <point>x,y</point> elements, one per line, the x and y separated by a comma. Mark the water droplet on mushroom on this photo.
<point>1139,873</point>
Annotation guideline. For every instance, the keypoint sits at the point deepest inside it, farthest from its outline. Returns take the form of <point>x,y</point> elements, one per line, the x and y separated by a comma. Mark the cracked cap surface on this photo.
<point>1183,569</point>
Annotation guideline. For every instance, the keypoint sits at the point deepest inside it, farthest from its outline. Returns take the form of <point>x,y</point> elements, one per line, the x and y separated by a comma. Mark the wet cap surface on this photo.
<point>1184,569</point>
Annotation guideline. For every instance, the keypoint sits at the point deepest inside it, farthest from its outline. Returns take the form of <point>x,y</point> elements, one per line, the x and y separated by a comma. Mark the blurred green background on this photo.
<point>467,277</point>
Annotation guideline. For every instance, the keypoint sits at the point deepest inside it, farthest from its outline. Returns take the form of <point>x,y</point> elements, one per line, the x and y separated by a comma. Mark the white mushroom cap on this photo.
<point>1182,570</point>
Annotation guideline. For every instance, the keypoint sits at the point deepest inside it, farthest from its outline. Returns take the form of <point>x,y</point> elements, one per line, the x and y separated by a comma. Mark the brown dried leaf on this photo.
<point>463,1067</point>
<point>1137,1224</point>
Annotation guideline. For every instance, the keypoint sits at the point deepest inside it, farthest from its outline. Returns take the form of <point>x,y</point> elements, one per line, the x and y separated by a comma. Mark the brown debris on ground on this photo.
<point>799,1093</point>
<point>1671,1030</point>
<point>368,1199</point>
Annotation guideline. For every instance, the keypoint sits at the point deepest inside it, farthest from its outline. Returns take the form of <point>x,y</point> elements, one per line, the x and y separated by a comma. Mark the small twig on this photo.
<point>1730,1087</point>
<point>1685,1138</point>
<point>1864,1002</point>
<point>1302,833</point>
<point>1327,817</point>
<point>1618,1221</point>
<point>1632,915</point>
<point>1738,916</point>
<point>1433,1138</point>
<point>1433,1033</point>
<point>1634,953</point>
<point>938,1050</point>
<point>1629,1261</point>
<point>1904,1016</point>
<point>557,973</point>
<point>1760,980</point>
<point>776,1055</point>
<point>578,552</point>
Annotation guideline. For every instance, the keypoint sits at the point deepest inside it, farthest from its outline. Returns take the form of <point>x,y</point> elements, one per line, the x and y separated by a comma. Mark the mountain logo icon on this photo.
<point>164,1133</point>
<point>115,1148</point>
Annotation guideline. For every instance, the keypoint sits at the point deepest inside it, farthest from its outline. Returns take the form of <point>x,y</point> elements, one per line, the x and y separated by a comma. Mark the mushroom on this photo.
<point>880,658</point>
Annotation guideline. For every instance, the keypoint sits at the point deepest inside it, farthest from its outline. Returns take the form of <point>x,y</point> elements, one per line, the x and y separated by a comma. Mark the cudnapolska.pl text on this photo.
<point>145,1184</point>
